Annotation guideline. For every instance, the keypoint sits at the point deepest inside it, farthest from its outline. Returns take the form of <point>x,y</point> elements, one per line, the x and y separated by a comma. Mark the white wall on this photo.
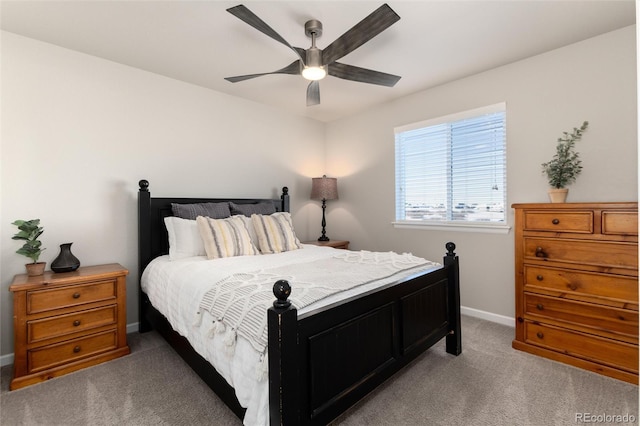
<point>593,80</point>
<point>78,132</point>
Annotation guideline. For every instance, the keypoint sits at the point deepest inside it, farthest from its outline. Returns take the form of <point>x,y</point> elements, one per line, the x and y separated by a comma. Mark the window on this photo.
<point>452,170</point>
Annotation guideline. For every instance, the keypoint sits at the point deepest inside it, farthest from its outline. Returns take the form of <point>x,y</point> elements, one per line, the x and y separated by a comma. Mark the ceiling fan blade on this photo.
<point>378,21</point>
<point>363,75</point>
<point>243,13</point>
<point>313,93</point>
<point>293,69</point>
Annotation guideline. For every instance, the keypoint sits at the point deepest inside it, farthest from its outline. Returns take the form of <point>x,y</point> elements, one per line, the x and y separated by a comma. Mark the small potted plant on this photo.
<point>565,166</point>
<point>29,231</point>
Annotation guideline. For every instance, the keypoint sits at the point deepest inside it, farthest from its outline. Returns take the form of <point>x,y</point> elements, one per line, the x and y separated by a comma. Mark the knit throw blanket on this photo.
<point>241,300</point>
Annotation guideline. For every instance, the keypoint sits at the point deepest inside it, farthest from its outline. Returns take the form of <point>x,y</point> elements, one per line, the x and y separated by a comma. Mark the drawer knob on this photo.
<point>540,307</point>
<point>76,349</point>
<point>555,221</point>
<point>540,252</point>
<point>572,286</point>
<point>539,334</point>
<point>76,323</point>
<point>76,295</point>
<point>539,277</point>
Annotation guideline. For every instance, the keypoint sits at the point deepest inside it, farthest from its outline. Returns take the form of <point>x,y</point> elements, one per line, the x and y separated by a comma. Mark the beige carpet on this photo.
<point>489,384</point>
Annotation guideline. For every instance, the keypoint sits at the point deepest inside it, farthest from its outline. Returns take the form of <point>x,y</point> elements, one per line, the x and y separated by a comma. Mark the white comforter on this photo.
<point>176,289</point>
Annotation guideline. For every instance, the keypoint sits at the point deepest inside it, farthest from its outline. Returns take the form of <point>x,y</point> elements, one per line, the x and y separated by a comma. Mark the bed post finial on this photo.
<point>282,290</point>
<point>144,185</point>
<point>450,248</point>
<point>285,207</point>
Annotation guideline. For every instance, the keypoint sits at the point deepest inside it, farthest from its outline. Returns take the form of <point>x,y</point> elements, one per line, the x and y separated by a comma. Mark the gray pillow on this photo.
<point>191,211</point>
<point>265,207</point>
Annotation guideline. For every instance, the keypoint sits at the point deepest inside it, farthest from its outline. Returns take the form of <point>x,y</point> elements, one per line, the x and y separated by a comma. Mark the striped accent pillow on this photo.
<point>275,232</point>
<point>225,237</point>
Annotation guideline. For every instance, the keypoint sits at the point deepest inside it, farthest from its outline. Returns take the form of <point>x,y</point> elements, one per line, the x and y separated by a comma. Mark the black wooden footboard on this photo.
<point>322,362</point>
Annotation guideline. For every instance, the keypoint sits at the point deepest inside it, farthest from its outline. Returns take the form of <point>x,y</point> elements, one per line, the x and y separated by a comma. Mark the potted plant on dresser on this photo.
<point>565,166</point>
<point>29,231</point>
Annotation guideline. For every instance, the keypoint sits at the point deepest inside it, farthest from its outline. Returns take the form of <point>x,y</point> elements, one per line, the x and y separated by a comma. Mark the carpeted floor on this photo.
<point>489,384</point>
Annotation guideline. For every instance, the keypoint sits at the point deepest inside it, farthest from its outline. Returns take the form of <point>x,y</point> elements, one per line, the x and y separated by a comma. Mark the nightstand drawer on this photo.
<point>619,291</point>
<point>71,350</point>
<point>582,345</point>
<point>64,297</point>
<point>576,221</point>
<point>602,254</point>
<point>61,325</point>
<point>588,317</point>
<point>619,223</point>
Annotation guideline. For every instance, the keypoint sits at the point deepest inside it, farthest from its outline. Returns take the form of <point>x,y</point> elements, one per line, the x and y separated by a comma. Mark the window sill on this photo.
<point>490,228</point>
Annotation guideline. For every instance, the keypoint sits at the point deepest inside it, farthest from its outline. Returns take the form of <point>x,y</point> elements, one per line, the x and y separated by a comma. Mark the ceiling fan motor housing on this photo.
<point>313,27</point>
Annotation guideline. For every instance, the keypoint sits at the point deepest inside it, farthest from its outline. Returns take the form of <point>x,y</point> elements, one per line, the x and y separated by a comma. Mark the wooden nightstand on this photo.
<point>67,321</point>
<point>339,244</point>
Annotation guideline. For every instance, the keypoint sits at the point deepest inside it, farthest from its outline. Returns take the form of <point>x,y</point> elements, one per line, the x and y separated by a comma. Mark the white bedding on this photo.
<point>176,288</point>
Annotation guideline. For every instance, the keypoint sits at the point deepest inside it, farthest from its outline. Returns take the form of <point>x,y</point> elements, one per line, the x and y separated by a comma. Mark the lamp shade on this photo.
<point>324,188</point>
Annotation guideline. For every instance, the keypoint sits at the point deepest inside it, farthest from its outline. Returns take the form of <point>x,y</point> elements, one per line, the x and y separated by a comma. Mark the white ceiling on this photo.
<point>199,42</point>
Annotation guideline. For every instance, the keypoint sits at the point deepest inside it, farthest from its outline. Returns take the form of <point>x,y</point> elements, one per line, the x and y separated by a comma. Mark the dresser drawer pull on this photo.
<point>555,221</point>
<point>76,349</point>
<point>539,335</point>
<point>539,307</point>
<point>76,295</point>
<point>539,277</point>
<point>540,252</point>
<point>76,323</point>
<point>572,286</point>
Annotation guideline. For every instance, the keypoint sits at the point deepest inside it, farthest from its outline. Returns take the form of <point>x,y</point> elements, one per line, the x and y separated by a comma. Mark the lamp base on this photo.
<point>323,238</point>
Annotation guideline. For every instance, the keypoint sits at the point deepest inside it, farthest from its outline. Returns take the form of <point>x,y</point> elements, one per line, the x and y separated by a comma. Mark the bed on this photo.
<point>321,360</point>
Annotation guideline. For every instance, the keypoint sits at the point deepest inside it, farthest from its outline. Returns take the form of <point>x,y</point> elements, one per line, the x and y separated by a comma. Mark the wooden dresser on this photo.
<point>67,321</point>
<point>577,285</point>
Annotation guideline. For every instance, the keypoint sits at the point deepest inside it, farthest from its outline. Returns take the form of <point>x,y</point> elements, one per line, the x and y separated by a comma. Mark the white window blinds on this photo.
<point>453,169</point>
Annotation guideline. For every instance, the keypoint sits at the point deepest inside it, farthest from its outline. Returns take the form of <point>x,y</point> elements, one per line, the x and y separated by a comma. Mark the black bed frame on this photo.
<point>322,362</point>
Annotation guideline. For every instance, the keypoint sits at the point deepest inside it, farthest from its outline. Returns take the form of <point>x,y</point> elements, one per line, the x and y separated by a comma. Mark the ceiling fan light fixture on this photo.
<point>314,73</point>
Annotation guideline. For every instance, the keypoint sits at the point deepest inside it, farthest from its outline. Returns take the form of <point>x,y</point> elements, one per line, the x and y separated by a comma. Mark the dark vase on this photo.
<point>66,261</point>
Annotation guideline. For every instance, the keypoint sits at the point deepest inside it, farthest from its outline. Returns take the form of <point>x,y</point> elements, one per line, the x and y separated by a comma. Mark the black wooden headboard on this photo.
<point>153,240</point>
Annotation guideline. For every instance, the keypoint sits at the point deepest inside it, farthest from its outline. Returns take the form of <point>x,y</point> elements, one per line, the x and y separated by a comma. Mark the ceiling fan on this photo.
<point>313,63</point>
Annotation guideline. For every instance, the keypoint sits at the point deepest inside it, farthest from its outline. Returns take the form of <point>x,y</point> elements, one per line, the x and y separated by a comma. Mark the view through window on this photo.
<point>453,169</point>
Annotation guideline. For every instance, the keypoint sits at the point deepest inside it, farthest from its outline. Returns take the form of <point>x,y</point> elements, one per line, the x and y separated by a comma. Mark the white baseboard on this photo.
<point>6,359</point>
<point>489,316</point>
<point>132,328</point>
<point>476,313</point>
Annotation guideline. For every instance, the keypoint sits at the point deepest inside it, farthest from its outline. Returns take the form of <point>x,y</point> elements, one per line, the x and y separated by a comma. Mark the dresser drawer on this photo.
<point>619,323</point>
<point>619,223</point>
<point>603,254</point>
<point>64,297</point>
<point>576,221</point>
<point>71,350</point>
<point>582,345</point>
<point>613,290</point>
<point>61,325</point>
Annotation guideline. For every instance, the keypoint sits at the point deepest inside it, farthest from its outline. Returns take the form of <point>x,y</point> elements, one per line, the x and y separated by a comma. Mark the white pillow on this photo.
<point>184,238</point>
<point>225,237</point>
